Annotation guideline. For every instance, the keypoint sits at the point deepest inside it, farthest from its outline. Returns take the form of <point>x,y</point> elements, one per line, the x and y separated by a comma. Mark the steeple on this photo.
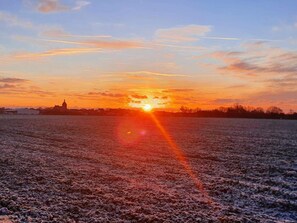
<point>64,105</point>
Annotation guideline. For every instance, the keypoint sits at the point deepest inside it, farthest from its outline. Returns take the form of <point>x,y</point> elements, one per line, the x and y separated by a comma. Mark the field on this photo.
<point>121,169</point>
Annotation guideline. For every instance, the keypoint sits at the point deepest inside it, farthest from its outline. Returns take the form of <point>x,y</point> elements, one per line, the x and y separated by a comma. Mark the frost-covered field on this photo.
<point>115,169</point>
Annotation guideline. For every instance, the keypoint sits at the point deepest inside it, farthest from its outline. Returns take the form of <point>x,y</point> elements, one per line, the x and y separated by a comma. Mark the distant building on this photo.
<point>10,111</point>
<point>62,108</point>
<point>64,105</point>
<point>27,111</point>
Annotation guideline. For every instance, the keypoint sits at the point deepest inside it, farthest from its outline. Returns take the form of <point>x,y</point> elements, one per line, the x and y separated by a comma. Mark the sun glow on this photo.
<point>147,107</point>
<point>148,100</point>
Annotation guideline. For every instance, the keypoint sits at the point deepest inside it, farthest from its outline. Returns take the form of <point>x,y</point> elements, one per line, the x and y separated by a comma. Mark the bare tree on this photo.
<point>274,110</point>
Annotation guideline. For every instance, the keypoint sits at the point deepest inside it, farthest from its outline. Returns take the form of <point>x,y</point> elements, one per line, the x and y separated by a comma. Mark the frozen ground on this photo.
<point>111,169</point>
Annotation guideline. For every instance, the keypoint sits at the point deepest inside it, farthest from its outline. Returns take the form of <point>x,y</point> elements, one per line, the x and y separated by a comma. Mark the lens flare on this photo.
<point>181,158</point>
<point>129,132</point>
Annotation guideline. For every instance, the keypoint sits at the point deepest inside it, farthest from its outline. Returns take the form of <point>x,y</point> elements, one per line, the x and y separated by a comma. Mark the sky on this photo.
<point>167,53</point>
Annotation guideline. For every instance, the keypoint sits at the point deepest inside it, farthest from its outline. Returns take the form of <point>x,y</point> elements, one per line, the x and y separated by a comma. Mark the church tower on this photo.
<point>64,105</point>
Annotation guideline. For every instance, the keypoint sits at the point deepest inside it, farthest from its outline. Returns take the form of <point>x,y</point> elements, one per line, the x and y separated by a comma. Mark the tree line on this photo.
<point>240,111</point>
<point>235,111</point>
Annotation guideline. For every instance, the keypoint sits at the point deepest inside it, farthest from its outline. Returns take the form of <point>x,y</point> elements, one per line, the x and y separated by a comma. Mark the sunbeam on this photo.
<point>181,158</point>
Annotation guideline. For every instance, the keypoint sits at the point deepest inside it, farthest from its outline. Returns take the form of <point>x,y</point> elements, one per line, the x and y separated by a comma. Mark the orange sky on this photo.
<point>98,55</point>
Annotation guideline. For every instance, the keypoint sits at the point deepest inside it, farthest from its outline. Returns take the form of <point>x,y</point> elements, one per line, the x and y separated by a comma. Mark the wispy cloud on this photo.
<point>174,37</point>
<point>243,66</point>
<point>7,84</point>
<point>103,44</point>
<point>236,86</point>
<point>13,20</point>
<point>55,6</point>
<point>50,6</point>
<point>226,101</point>
<point>83,46</point>
<point>178,90</point>
<point>220,38</point>
<point>80,4</point>
<point>12,80</point>
<point>56,52</point>
<point>107,94</point>
<point>139,96</point>
<point>155,74</point>
<point>288,82</point>
<point>115,44</point>
<point>91,47</point>
<point>60,33</point>
<point>283,98</point>
<point>285,27</point>
<point>258,59</point>
<point>238,39</point>
<point>189,33</point>
<point>19,22</point>
<point>179,47</point>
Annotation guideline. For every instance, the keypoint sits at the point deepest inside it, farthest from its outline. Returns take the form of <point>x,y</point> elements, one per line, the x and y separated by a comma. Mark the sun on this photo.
<point>147,107</point>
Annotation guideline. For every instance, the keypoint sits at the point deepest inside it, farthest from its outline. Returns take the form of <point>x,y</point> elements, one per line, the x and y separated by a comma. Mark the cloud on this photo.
<point>285,27</point>
<point>288,82</point>
<point>7,86</point>
<point>179,47</point>
<point>189,33</point>
<point>244,67</point>
<point>107,94</point>
<point>139,100</point>
<point>93,47</point>
<point>55,6</point>
<point>50,6</point>
<point>163,97</point>
<point>220,38</point>
<point>283,98</point>
<point>56,52</point>
<point>80,4</point>
<point>225,101</point>
<point>155,74</point>
<point>55,32</point>
<point>237,86</point>
<point>258,59</point>
<point>104,44</point>
<point>13,20</point>
<point>226,54</point>
<point>24,91</point>
<point>272,72</point>
<point>60,33</point>
<point>139,96</point>
<point>12,80</point>
<point>135,102</point>
<point>114,44</point>
<point>178,90</point>
<point>86,47</point>
<point>237,39</point>
<point>11,84</point>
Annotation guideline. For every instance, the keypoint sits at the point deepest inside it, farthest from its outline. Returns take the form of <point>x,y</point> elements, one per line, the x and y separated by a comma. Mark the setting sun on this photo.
<point>147,107</point>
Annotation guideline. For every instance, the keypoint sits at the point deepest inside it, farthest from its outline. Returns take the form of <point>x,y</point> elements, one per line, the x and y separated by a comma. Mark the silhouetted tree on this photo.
<point>197,110</point>
<point>274,110</point>
<point>291,112</point>
<point>185,109</point>
<point>259,110</point>
<point>222,109</point>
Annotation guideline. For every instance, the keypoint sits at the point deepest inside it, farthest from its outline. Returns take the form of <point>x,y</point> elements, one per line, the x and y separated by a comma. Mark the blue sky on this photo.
<point>194,53</point>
